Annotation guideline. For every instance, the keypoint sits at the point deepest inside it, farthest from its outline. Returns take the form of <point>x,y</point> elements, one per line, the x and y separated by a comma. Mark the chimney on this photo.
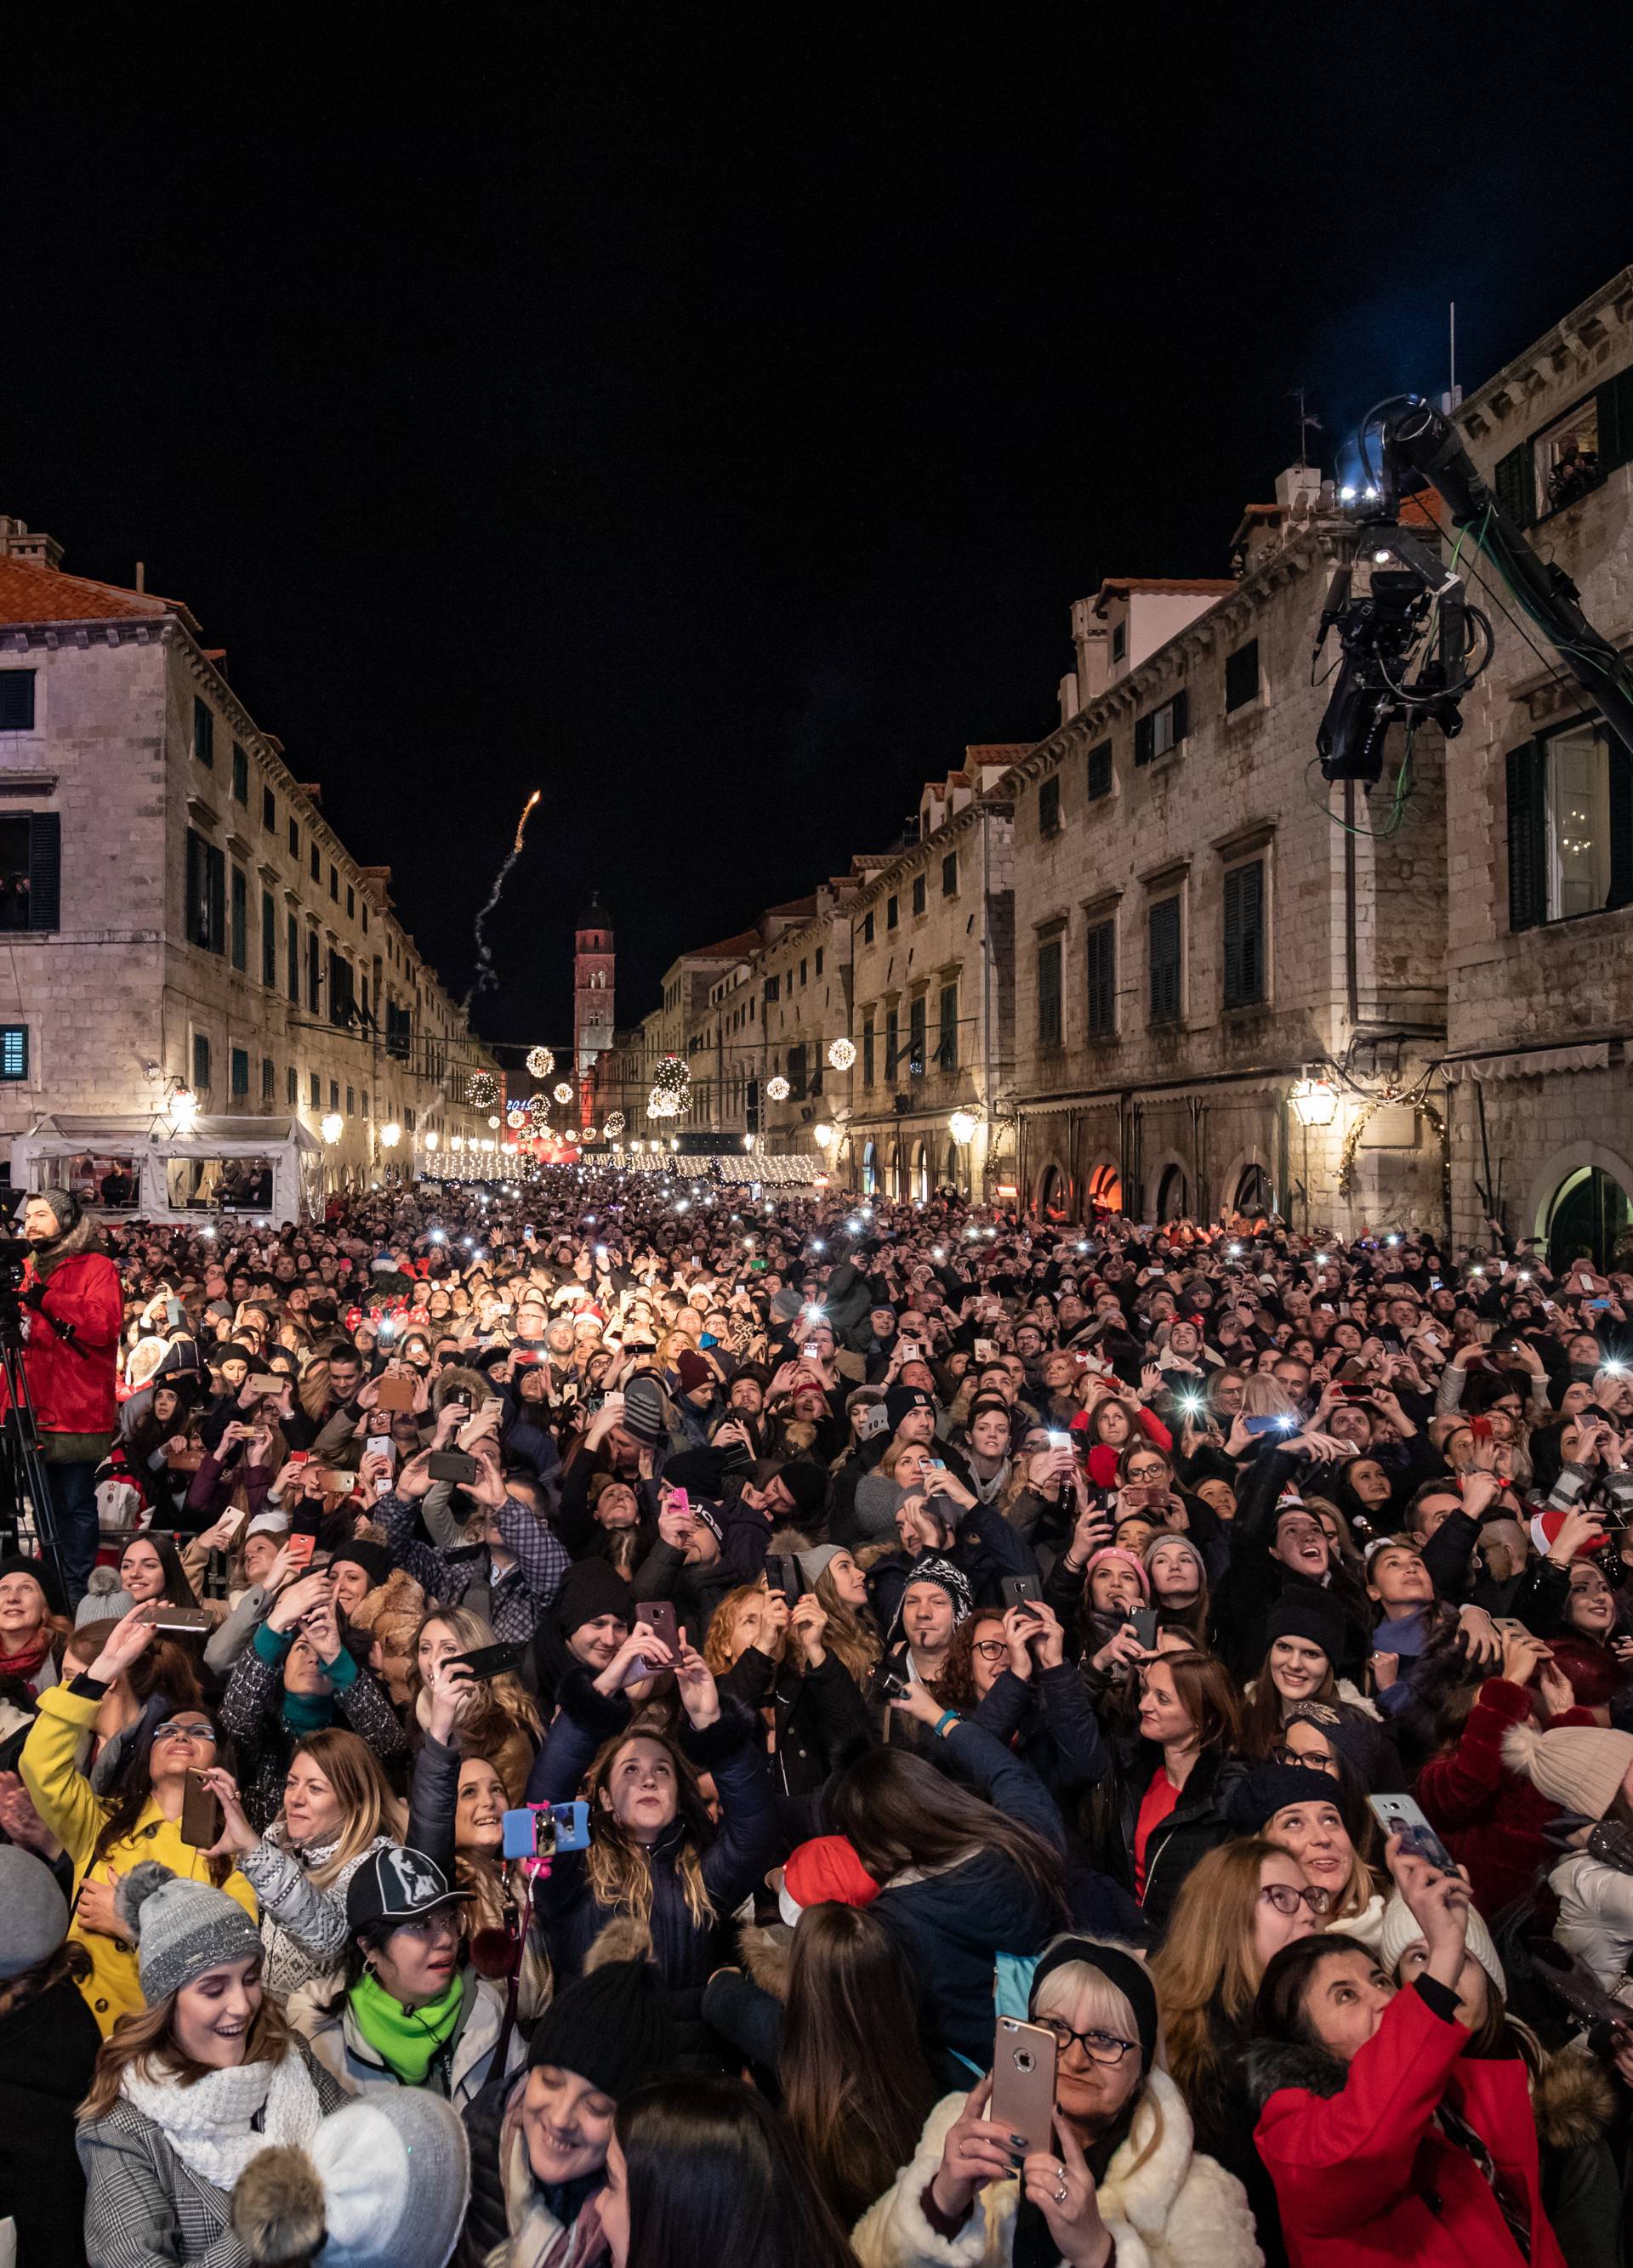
<point>1297,489</point>
<point>1090,636</point>
<point>16,542</point>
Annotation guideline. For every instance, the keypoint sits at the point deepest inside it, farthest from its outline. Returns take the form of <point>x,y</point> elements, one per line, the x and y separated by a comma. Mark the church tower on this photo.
<point>593,965</point>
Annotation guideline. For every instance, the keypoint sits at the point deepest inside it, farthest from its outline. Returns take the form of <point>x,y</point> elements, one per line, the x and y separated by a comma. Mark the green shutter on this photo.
<point>1615,421</point>
<point>1527,835</point>
<point>1513,484</point>
<point>1621,785</point>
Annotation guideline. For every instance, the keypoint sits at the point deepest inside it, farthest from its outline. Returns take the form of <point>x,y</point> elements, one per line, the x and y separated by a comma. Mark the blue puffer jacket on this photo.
<point>569,1915</point>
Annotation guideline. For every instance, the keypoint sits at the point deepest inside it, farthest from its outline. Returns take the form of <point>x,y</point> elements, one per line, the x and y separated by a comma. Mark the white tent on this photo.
<point>141,1168</point>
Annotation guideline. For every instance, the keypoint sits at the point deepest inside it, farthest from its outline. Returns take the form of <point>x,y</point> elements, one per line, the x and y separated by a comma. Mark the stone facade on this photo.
<point>184,866</point>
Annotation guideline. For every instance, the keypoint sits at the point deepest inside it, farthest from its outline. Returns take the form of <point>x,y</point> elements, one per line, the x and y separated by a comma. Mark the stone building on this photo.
<point>180,918</point>
<point>1194,931</point>
<point>931,985</point>
<point>1540,815</point>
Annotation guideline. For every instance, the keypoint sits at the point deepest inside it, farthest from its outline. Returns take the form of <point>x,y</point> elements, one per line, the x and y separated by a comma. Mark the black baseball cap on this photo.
<point>398,1885</point>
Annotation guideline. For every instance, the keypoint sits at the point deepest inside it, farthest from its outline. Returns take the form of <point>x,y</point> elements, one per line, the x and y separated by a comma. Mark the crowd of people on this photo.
<point>623,1721</point>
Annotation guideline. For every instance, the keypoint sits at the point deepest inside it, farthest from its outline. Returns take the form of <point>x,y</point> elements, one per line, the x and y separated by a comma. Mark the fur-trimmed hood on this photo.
<point>1272,2064</point>
<point>1573,2099</point>
<point>473,1386</point>
<point>766,1955</point>
<point>83,1236</point>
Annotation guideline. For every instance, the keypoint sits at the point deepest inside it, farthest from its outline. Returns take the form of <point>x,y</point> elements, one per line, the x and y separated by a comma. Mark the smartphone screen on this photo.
<point>1402,1816</point>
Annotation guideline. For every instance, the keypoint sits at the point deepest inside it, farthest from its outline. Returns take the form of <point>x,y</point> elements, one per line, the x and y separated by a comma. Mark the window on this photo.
<point>13,1051</point>
<point>201,1063</point>
<point>334,881</point>
<point>867,926</point>
<point>343,1007</point>
<point>316,1092</point>
<point>365,917</point>
<point>1101,966</point>
<point>206,895</point>
<point>892,911</point>
<point>1119,641</point>
<point>315,971</point>
<point>350,1103</point>
<point>916,1013</point>
<point>291,1088</point>
<point>269,941</point>
<point>268,1081</point>
<point>1098,772</point>
<point>31,847</point>
<point>203,732</point>
<point>1162,729</point>
<point>294,838</point>
<point>292,960</point>
<point>1245,935</point>
<point>918,892</point>
<point>1242,677</point>
<point>946,1030</point>
<point>950,875</point>
<point>16,703</point>
<point>240,919</point>
<point>892,1035</point>
<point>351,909</point>
<point>238,1063</point>
<point>801,973</point>
<point>1049,993</point>
<point>269,811</point>
<point>1049,805</point>
<point>241,776</point>
<point>314,862</point>
<point>334,1094</point>
<point>1569,827</point>
<point>772,987</point>
<point>1163,931</point>
<point>868,1051</point>
<point>396,1031</point>
<point>818,962</point>
<point>1570,456</point>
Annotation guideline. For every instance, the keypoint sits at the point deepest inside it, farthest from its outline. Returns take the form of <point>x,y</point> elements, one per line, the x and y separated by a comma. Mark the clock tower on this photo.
<point>593,967</point>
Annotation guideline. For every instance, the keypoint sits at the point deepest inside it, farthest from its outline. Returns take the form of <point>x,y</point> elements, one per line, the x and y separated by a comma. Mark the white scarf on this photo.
<point>209,2125</point>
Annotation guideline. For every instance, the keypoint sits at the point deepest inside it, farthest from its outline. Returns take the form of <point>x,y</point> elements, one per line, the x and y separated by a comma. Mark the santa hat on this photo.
<point>1545,1527</point>
<point>826,1869</point>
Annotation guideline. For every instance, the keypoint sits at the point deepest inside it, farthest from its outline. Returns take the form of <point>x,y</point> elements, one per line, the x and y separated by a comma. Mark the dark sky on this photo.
<point>710,417</point>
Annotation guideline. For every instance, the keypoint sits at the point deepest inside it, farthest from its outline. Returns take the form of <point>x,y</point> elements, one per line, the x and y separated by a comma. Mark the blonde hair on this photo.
<point>1076,1984</point>
<point>505,1726</point>
<point>1207,1965</point>
<point>368,1807</point>
<point>619,1867</point>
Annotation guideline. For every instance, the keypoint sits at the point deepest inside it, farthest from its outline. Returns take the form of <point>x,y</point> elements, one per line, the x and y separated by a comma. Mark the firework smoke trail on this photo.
<point>484,974</point>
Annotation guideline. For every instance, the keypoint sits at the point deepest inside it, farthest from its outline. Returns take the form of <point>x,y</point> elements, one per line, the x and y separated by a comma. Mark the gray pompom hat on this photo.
<point>182,1928</point>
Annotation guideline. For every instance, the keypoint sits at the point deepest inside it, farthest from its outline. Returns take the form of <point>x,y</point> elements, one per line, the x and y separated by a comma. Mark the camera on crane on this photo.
<point>1407,645</point>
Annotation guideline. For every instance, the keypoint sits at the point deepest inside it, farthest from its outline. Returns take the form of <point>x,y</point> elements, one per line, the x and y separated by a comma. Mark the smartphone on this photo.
<point>200,1813</point>
<point>679,1501</point>
<point>393,1392</point>
<point>265,1381</point>
<point>380,1445</point>
<point>1144,1620</point>
<point>812,1353</point>
<point>1141,1495</point>
<point>910,1349</point>
<point>1023,2097</point>
<point>1258,1428</point>
<point>172,1312</point>
<point>1021,1590</point>
<point>545,1831</point>
<point>337,1484</point>
<point>1510,1626</point>
<point>1352,1393</point>
<point>304,1521</point>
<point>491,1661</point>
<point>1480,1429</point>
<point>231,1521</point>
<point>1399,1815</point>
<point>659,1615</point>
<point>453,1465</point>
<point>986,1350</point>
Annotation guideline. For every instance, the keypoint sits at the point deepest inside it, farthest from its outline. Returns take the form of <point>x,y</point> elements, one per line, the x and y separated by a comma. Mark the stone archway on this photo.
<point>1247,1185</point>
<point>1591,1180</point>
<point>1168,1192</point>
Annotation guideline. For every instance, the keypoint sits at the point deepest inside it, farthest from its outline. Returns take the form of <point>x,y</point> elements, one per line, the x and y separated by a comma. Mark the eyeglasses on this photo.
<point>1287,1898</point>
<point>1099,2047</point>
<point>171,1731</point>
<point>990,1648</point>
<point>1302,1760</point>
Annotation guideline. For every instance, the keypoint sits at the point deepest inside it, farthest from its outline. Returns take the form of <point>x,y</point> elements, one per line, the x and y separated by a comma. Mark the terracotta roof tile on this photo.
<point>996,752</point>
<point>32,594</point>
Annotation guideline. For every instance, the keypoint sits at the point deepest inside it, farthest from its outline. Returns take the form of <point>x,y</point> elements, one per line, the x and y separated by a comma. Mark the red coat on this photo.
<point>1364,2176</point>
<point>73,1381</point>
<point>1492,1819</point>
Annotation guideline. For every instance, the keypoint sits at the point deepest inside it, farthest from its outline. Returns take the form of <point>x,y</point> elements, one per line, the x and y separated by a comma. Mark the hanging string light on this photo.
<point>842,1055</point>
<point>564,1091</point>
<point>615,1125</point>
<point>516,1117</point>
<point>538,1112</point>
<point>541,1062</point>
<point>482,1091</point>
<point>778,1089</point>
<point>673,1076</point>
<point>661,1104</point>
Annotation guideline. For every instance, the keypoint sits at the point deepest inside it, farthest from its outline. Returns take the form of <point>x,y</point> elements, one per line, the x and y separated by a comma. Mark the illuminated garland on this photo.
<point>1363,1117</point>
<point>538,1112</point>
<point>482,1091</point>
<point>615,1125</point>
<point>777,1089</point>
<point>541,1062</point>
<point>842,1055</point>
<point>563,1092</point>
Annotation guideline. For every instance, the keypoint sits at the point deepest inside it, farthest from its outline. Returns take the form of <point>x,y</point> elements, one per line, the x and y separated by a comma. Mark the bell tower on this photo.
<point>594,961</point>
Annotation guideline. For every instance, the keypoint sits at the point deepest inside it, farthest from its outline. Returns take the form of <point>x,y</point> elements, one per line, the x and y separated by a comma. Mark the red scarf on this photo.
<point>23,1665</point>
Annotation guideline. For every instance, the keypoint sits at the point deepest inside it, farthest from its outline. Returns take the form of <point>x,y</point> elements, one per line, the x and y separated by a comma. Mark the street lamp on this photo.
<point>821,1134</point>
<point>390,1135</point>
<point>331,1126</point>
<point>456,1141</point>
<point>1315,1102</point>
<point>964,1126</point>
<point>432,1138</point>
<point>184,1109</point>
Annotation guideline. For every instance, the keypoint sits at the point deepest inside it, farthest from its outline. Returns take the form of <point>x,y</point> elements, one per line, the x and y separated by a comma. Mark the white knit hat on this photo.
<point>1579,1767</point>
<point>383,2183</point>
<point>1400,1927</point>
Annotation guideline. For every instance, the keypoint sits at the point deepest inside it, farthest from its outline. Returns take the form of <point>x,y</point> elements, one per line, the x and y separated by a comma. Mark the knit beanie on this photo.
<point>1270,1788</point>
<point>1401,1927</point>
<point>1579,1767</point>
<point>1114,1553</point>
<point>611,2027</point>
<point>645,1411</point>
<point>268,1523</point>
<point>806,1484</point>
<point>182,1928</point>
<point>21,1563</point>
<point>816,1560</point>
<point>591,1589</point>
<point>952,1580</point>
<point>33,1912</point>
<point>63,1203</point>
<point>1302,1611</point>
<point>901,1400</point>
<point>372,1558</point>
<point>693,1372</point>
<point>384,2183</point>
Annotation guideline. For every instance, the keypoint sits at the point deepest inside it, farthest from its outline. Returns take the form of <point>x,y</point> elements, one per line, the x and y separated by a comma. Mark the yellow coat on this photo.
<point>74,1812</point>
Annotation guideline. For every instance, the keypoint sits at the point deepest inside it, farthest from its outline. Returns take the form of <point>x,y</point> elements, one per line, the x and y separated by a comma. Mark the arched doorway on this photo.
<point>953,1177</point>
<point>1052,1193</point>
<point>921,1174</point>
<point>1174,1193</point>
<point>1590,1212</point>
<point>1105,1188</point>
<point>870,1169</point>
<point>1253,1196</point>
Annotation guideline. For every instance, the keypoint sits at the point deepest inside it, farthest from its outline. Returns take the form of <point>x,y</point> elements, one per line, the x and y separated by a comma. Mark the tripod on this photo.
<point>21,1468</point>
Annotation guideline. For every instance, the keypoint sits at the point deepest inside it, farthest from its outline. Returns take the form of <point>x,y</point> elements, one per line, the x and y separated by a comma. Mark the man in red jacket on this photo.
<point>73,1312</point>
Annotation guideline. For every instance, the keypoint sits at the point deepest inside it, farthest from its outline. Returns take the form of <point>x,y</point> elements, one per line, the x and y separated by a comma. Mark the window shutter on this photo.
<point>1514,487</point>
<point>1615,421</point>
<point>17,701</point>
<point>1163,931</point>
<point>1099,769</point>
<point>1102,978</point>
<point>1233,992</point>
<point>1145,738</point>
<point>1181,707</point>
<point>1620,786</point>
<point>45,870</point>
<point>1527,837</point>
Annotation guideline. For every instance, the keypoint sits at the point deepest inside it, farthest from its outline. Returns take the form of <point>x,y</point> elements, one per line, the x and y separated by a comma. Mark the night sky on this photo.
<point>709,418</point>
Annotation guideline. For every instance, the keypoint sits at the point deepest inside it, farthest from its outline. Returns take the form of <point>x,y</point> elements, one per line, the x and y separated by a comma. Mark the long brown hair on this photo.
<point>145,2041</point>
<point>1207,1969</point>
<point>898,1811</point>
<point>850,1637</point>
<point>1262,1719</point>
<point>1207,1692</point>
<point>957,1678</point>
<point>619,1867</point>
<point>856,2088</point>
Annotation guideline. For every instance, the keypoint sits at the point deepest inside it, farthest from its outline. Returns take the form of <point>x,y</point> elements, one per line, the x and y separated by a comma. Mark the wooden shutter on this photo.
<point>1243,935</point>
<point>1163,929</point>
<point>1620,786</point>
<point>1102,973</point>
<point>1514,486</point>
<point>1145,738</point>
<point>1615,421</point>
<point>1527,835</point>
<point>17,701</point>
<point>45,870</point>
<point>1181,706</point>
<point>1099,770</point>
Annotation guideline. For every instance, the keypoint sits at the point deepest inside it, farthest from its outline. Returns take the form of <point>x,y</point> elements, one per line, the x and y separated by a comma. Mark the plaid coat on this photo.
<point>144,2208</point>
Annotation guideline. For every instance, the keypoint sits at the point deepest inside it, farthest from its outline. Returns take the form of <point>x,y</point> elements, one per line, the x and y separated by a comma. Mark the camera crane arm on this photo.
<point>1416,437</point>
